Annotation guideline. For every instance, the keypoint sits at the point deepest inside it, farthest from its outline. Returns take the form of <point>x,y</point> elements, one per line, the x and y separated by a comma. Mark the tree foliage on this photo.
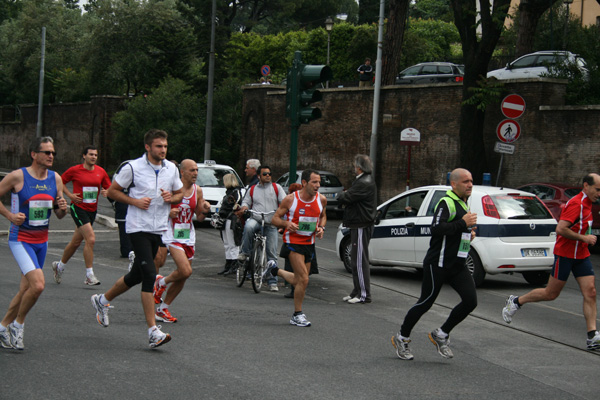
<point>439,10</point>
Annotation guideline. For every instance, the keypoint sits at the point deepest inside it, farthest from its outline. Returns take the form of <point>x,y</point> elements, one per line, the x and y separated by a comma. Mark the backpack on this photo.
<point>274,187</point>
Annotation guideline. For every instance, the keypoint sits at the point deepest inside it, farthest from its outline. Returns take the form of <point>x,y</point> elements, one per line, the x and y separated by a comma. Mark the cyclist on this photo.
<point>263,197</point>
<point>302,215</point>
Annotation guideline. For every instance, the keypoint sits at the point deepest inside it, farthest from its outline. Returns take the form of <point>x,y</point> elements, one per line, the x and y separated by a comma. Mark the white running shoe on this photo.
<point>91,280</point>
<point>442,344</point>
<point>509,309</point>
<point>158,338</point>
<point>273,287</point>
<point>101,310</point>
<point>299,320</point>
<point>401,345</point>
<point>5,339</point>
<point>57,272</point>
<point>594,343</point>
<point>16,337</point>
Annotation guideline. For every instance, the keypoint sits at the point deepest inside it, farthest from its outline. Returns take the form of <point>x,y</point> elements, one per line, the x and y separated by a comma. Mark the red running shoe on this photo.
<point>158,290</point>
<point>164,316</point>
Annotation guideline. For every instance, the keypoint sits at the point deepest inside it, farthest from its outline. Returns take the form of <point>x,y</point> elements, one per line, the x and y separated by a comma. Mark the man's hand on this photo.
<point>61,203</point>
<point>104,192</point>
<point>17,218</point>
<point>143,203</point>
<point>470,219</point>
<point>166,195</point>
<point>320,232</point>
<point>174,212</point>
<point>590,239</point>
<point>75,198</point>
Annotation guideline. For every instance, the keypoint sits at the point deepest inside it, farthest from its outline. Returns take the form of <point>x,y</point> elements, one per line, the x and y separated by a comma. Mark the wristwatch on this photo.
<point>322,227</point>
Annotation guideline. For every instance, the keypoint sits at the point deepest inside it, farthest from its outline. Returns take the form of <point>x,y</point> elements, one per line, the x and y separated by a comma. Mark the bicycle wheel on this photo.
<point>240,274</point>
<point>259,265</point>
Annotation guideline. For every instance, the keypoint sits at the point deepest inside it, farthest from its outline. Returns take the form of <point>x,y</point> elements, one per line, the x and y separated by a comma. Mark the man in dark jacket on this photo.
<point>360,205</point>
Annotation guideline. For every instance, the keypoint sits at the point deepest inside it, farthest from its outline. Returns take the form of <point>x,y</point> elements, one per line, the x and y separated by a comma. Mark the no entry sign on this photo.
<point>513,106</point>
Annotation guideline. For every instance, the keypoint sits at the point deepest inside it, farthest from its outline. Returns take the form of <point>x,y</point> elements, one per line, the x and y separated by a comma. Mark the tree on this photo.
<point>438,10</point>
<point>477,51</point>
<point>394,37</point>
<point>9,9</point>
<point>368,11</point>
<point>529,14</point>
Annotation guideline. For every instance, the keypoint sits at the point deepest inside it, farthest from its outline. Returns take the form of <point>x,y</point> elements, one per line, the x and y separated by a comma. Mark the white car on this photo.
<point>515,232</point>
<point>535,64</point>
<point>210,179</point>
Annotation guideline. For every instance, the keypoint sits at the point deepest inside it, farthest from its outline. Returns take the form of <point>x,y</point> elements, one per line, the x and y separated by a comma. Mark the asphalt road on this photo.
<point>231,343</point>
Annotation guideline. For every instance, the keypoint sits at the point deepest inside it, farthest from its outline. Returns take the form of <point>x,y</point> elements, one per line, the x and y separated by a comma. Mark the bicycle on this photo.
<point>257,264</point>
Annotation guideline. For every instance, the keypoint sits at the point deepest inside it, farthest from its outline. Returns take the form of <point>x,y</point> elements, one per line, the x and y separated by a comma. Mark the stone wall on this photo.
<point>558,143</point>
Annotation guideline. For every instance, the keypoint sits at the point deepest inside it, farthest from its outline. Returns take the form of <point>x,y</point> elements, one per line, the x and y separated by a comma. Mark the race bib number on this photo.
<point>90,194</point>
<point>38,212</point>
<point>465,245</point>
<point>307,226</point>
<point>181,231</point>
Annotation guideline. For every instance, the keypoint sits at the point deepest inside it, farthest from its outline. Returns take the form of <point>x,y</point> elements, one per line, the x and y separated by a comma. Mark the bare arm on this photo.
<point>563,229</point>
<point>322,218</point>
<point>115,192</point>
<point>278,220</point>
<point>202,206</point>
<point>60,204</point>
<point>74,198</point>
<point>12,181</point>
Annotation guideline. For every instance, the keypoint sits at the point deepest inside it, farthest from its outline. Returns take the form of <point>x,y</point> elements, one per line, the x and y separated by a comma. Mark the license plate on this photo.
<point>533,252</point>
<point>329,195</point>
<point>596,232</point>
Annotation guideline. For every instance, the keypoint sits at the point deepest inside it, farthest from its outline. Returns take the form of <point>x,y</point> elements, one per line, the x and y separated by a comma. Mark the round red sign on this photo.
<point>508,131</point>
<point>513,106</point>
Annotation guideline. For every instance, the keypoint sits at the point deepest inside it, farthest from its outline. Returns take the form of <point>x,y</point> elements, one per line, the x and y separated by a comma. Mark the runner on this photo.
<point>35,192</point>
<point>180,238</point>
<point>154,185</point>
<point>89,180</point>
<point>302,215</point>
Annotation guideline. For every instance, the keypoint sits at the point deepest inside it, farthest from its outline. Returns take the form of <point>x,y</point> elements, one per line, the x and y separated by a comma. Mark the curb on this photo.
<point>109,222</point>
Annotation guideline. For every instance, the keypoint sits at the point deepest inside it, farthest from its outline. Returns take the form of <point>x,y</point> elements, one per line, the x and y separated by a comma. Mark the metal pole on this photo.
<point>408,170</point>
<point>38,130</point>
<point>328,42</point>
<point>499,169</point>
<point>295,122</point>
<point>377,91</point>
<point>211,79</point>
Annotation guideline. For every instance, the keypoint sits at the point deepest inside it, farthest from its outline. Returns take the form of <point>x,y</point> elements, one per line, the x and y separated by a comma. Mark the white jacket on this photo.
<point>143,181</point>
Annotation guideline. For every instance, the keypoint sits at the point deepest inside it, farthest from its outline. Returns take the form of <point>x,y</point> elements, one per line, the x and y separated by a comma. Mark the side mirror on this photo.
<point>508,66</point>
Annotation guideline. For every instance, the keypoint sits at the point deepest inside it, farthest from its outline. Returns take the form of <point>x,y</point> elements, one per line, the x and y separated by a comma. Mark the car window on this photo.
<point>428,70</point>
<point>330,181</point>
<point>547,59</point>
<point>445,69</point>
<point>212,177</point>
<point>283,180</point>
<point>517,206</point>
<point>412,71</point>
<point>524,62</point>
<point>572,192</point>
<point>406,206</point>
<point>461,68</point>
<point>544,192</point>
<point>437,195</point>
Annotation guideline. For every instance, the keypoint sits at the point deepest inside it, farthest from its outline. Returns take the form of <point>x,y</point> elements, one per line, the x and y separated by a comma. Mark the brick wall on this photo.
<point>557,143</point>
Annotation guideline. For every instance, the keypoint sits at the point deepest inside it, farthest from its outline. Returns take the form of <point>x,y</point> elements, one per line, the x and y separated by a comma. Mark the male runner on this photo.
<point>35,191</point>
<point>180,238</point>
<point>154,185</point>
<point>89,180</point>
<point>571,254</point>
<point>302,215</point>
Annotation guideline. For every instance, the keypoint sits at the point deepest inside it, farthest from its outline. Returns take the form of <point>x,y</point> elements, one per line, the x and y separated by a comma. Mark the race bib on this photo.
<point>38,212</point>
<point>181,231</point>
<point>90,194</point>
<point>589,229</point>
<point>465,245</point>
<point>307,225</point>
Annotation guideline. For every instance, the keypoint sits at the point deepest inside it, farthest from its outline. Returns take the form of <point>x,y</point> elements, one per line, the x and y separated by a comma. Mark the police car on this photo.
<point>210,179</point>
<point>515,232</point>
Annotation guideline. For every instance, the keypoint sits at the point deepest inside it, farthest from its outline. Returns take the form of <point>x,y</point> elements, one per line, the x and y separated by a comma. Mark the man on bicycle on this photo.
<point>302,215</point>
<point>265,197</point>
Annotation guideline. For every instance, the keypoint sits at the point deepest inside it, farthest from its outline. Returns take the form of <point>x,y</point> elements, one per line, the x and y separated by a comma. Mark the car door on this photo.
<point>521,68</point>
<point>393,239</point>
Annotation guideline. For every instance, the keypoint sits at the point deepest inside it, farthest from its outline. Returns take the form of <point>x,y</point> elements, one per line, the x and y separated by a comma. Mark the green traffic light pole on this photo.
<point>294,112</point>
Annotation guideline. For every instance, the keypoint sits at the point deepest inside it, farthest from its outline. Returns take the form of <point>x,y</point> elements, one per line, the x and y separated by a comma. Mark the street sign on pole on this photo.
<point>513,106</point>
<point>265,70</point>
<point>409,137</point>
<point>508,131</point>
<point>504,148</point>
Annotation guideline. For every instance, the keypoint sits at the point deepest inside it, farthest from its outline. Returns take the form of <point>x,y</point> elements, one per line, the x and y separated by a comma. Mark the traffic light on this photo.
<point>301,90</point>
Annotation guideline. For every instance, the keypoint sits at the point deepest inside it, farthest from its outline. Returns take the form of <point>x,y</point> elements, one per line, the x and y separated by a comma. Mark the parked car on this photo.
<point>431,72</point>
<point>556,195</point>
<point>331,188</point>
<point>210,179</point>
<point>535,64</point>
<point>515,232</point>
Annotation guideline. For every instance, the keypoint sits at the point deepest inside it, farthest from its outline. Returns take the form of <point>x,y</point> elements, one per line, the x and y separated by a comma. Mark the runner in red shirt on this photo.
<point>89,180</point>
<point>302,215</point>
<point>571,254</point>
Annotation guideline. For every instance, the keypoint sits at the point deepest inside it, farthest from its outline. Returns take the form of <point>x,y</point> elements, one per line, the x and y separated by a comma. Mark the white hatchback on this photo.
<point>515,232</point>
<point>210,179</point>
<point>536,64</point>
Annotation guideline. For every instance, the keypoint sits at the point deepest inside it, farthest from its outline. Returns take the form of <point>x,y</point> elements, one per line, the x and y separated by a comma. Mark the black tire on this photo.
<point>240,274</point>
<point>346,251</point>
<point>536,278</point>
<point>259,263</point>
<point>474,265</point>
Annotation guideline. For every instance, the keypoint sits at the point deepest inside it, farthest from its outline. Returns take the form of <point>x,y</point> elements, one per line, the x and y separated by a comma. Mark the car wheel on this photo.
<point>474,265</point>
<point>345,251</point>
<point>536,278</point>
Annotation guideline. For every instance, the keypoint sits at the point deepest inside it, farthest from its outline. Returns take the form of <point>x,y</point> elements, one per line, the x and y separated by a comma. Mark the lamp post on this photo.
<point>329,27</point>
<point>568,3</point>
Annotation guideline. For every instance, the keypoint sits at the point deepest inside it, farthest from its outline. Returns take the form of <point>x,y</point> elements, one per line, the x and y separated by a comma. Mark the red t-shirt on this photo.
<point>578,211</point>
<point>87,184</point>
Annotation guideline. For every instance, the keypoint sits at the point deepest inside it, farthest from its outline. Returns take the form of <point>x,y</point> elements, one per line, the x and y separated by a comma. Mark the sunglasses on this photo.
<point>266,174</point>
<point>47,152</point>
